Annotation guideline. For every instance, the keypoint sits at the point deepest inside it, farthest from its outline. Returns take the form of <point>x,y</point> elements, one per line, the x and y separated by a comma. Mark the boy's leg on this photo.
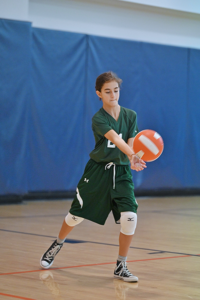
<point>128,222</point>
<point>64,231</point>
<point>124,208</point>
<point>91,186</point>
<point>128,225</point>
<point>69,223</point>
<point>124,244</point>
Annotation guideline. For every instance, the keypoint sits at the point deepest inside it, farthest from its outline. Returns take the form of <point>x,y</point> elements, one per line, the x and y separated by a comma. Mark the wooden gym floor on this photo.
<point>165,253</point>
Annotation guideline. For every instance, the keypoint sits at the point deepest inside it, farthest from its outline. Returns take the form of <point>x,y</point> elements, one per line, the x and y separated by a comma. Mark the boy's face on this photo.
<point>109,93</point>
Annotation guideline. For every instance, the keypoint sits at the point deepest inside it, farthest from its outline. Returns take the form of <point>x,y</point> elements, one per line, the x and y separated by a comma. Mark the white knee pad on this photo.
<point>72,220</point>
<point>128,222</point>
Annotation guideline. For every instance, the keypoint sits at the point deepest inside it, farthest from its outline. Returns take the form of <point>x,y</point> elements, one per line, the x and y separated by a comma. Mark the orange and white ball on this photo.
<point>148,145</point>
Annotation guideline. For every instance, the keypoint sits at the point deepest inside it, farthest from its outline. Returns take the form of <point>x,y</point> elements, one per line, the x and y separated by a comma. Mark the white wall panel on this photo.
<point>113,18</point>
<point>117,20</point>
<point>192,6</point>
<point>14,9</point>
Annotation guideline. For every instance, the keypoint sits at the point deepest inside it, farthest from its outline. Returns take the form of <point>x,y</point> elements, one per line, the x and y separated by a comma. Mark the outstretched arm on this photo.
<point>136,163</point>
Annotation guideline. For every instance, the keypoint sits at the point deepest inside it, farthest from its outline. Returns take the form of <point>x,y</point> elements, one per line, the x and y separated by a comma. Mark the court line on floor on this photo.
<point>99,243</point>
<point>32,216</point>
<point>17,297</point>
<point>146,249</point>
<point>92,265</point>
<point>177,214</point>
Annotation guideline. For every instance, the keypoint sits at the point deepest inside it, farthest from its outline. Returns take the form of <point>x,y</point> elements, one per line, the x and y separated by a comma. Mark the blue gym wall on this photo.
<point>47,100</point>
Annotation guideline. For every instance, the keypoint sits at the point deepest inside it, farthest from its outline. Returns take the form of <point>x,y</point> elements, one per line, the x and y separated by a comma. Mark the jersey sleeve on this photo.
<point>100,126</point>
<point>133,128</point>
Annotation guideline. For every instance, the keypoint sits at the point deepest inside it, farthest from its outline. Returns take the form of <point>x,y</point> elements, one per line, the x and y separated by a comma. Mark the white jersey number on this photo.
<point>110,144</point>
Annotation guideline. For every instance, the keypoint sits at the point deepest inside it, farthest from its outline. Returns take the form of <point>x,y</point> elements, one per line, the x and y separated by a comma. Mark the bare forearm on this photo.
<point>119,143</point>
<point>136,163</point>
<point>124,147</point>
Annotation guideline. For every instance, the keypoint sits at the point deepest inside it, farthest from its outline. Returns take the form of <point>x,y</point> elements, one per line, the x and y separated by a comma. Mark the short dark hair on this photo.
<point>106,77</point>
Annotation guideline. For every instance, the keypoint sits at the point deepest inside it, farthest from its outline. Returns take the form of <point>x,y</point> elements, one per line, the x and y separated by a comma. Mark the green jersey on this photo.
<point>125,126</point>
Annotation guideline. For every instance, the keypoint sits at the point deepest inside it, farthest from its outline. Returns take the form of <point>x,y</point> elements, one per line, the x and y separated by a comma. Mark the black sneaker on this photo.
<point>47,259</point>
<point>121,272</point>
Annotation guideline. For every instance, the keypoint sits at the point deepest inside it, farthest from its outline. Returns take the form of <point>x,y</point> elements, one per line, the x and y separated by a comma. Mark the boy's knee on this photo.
<point>72,220</point>
<point>128,222</point>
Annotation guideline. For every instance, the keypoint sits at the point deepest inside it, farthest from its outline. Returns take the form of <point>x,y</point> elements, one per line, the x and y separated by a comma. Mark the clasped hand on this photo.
<point>137,163</point>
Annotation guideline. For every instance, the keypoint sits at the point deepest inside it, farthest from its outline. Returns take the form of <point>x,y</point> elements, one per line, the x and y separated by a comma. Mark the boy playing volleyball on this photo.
<point>107,180</point>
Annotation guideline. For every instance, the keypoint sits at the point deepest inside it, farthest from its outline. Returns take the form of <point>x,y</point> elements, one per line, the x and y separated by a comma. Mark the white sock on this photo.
<point>122,258</point>
<point>59,241</point>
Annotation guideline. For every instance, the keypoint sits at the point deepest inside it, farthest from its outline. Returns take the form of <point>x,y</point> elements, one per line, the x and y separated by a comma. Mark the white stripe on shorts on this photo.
<point>79,197</point>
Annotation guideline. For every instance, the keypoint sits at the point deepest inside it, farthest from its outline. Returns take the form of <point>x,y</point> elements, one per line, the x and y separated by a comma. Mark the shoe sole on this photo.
<point>126,279</point>
<point>47,267</point>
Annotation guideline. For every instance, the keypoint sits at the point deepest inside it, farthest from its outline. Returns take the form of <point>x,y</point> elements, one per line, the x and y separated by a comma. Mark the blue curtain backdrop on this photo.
<point>57,109</point>
<point>15,89</point>
<point>47,100</point>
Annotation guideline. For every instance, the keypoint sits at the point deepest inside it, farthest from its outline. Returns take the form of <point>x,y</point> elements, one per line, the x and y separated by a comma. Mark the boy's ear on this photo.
<point>98,94</point>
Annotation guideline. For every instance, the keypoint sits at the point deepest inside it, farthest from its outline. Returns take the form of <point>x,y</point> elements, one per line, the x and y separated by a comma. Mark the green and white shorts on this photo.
<point>104,187</point>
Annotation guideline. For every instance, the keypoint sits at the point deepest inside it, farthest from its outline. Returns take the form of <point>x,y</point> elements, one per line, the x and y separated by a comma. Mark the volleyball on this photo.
<point>148,145</point>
